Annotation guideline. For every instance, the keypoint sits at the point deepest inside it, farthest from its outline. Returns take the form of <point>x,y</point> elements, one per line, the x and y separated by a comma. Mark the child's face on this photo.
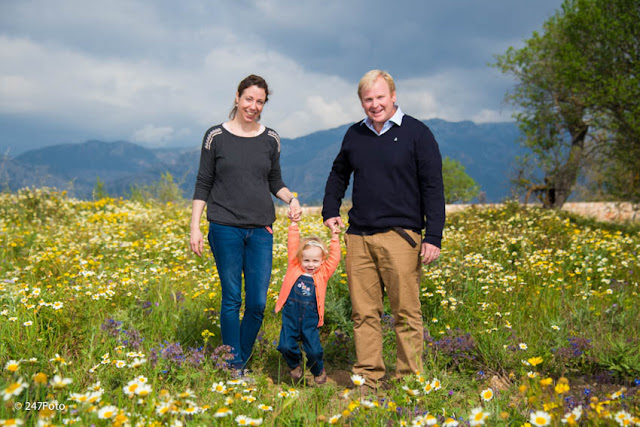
<point>311,259</point>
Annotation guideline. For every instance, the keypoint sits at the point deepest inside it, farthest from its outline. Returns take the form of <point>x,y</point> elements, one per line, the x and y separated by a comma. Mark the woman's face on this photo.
<point>250,103</point>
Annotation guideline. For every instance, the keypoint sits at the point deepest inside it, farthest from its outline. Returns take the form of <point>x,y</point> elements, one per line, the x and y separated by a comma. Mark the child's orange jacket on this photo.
<point>320,278</point>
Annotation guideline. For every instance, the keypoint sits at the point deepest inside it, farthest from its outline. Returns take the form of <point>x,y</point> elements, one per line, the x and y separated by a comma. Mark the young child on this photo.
<point>302,300</point>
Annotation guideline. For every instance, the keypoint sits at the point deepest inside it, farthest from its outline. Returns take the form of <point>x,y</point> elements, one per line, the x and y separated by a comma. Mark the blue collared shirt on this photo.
<point>396,118</point>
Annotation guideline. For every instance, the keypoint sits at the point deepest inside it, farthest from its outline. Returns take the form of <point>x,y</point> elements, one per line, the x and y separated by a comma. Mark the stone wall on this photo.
<point>610,211</point>
<point>602,211</point>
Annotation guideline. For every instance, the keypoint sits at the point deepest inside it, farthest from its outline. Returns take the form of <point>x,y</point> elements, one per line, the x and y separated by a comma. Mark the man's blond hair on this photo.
<point>370,78</point>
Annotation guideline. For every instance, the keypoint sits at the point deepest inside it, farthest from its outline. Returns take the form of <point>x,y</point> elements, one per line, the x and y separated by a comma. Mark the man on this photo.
<point>397,183</point>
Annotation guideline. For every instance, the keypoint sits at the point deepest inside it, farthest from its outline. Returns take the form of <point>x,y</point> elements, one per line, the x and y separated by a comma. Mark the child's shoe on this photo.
<point>321,379</point>
<point>296,373</point>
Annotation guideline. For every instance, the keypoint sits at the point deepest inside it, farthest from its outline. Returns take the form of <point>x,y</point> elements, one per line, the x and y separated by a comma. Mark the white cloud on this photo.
<point>491,116</point>
<point>416,100</point>
<point>454,95</point>
<point>123,94</point>
<point>313,102</point>
<point>435,96</point>
<point>112,96</point>
<point>17,94</point>
<point>62,81</point>
<point>153,134</point>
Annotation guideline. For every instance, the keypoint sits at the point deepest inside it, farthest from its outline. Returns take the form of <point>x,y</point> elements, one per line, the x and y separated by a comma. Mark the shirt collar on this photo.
<point>396,118</point>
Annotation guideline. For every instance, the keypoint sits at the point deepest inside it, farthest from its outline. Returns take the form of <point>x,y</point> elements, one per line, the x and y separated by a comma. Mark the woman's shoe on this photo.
<point>296,373</point>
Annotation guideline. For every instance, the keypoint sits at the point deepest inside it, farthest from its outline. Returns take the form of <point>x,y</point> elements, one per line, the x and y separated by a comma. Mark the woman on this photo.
<point>239,170</point>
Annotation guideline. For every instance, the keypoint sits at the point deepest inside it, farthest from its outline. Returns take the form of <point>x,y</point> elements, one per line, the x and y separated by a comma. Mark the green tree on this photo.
<point>99,190</point>
<point>551,113</point>
<point>608,35</point>
<point>166,190</point>
<point>458,186</point>
<point>578,98</point>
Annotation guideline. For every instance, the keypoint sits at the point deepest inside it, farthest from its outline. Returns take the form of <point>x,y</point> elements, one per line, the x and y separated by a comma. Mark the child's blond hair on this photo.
<point>312,241</point>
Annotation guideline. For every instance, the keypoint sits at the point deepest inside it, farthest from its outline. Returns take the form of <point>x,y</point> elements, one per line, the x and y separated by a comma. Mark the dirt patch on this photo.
<point>341,378</point>
<point>338,378</point>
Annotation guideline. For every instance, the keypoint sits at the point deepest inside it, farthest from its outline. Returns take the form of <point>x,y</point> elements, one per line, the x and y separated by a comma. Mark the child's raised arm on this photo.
<point>334,254</point>
<point>293,240</point>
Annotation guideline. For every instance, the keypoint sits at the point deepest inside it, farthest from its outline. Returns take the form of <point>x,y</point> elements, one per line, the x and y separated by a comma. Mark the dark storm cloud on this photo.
<point>155,71</point>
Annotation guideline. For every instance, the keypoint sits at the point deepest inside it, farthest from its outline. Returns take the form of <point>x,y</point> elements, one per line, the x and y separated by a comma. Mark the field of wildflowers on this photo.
<point>106,318</point>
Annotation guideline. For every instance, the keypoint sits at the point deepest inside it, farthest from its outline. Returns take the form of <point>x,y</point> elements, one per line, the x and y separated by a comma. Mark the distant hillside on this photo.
<point>78,166</point>
<point>306,162</point>
<point>486,150</point>
<point>15,175</point>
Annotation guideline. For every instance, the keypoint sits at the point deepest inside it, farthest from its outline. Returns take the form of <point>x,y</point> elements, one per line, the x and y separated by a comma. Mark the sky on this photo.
<point>160,72</point>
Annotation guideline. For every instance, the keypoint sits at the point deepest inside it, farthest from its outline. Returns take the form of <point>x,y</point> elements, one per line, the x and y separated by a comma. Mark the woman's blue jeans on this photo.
<point>237,251</point>
<point>300,324</point>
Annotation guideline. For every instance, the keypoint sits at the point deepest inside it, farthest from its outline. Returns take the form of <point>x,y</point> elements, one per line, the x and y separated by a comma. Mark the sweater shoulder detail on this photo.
<point>273,134</point>
<point>211,133</point>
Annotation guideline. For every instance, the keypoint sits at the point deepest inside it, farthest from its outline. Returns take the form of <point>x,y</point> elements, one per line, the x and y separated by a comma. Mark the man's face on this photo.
<point>378,103</point>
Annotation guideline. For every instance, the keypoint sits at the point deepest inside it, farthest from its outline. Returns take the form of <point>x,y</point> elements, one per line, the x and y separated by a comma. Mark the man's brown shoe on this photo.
<point>321,379</point>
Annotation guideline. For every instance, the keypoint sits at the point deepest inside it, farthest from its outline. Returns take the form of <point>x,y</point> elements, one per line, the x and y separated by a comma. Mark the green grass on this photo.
<point>521,302</point>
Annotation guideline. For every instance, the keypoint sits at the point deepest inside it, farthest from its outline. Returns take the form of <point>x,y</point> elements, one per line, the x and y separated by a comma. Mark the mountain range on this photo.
<point>486,150</point>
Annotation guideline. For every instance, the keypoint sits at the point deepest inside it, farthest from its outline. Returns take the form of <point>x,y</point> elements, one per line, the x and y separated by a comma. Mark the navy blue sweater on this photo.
<point>397,180</point>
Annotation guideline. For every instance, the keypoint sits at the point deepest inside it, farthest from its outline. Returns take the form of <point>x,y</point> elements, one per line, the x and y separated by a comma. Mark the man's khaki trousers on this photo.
<point>375,263</point>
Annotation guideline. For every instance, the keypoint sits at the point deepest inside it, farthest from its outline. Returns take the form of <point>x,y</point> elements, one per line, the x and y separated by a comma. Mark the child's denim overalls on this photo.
<point>300,323</point>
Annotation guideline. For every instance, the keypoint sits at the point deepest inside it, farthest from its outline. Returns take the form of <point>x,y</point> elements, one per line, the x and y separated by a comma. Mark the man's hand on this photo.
<point>335,224</point>
<point>429,253</point>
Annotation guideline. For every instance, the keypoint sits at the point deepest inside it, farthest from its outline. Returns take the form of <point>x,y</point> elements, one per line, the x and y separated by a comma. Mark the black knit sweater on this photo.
<point>237,176</point>
<point>397,180</point>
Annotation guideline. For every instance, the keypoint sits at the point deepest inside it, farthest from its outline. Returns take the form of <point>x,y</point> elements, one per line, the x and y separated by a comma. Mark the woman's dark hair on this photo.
<point>250,80</point>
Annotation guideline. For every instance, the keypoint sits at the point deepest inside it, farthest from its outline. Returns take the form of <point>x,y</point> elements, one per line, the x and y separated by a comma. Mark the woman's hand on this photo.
<point>295,211</point>
<point>197,241</point>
